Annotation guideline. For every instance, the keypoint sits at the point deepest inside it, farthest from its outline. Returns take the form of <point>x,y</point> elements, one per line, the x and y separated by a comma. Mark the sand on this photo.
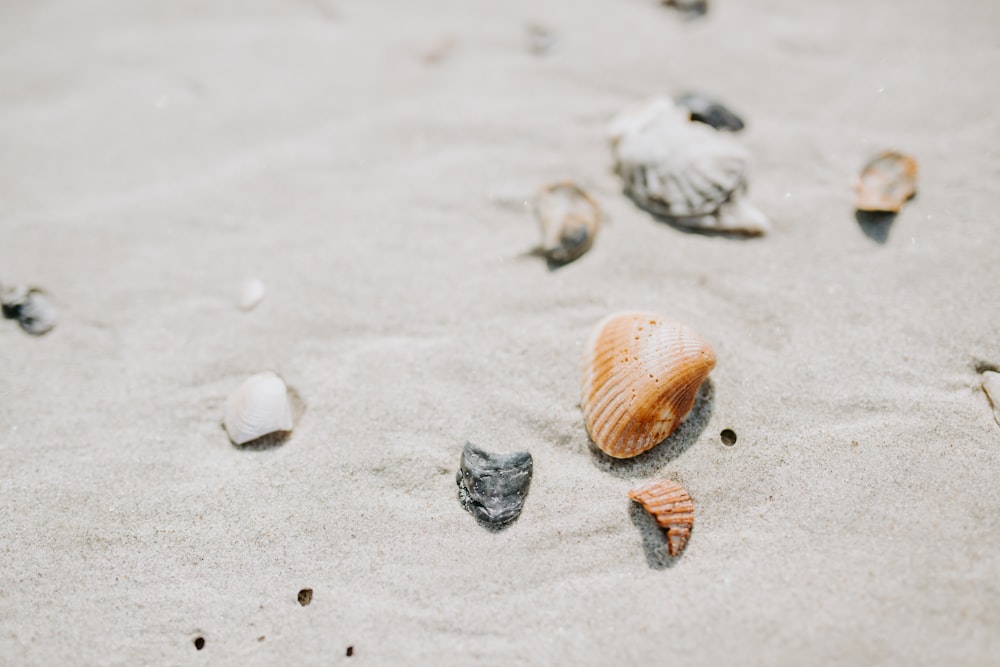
<point>156,155</point>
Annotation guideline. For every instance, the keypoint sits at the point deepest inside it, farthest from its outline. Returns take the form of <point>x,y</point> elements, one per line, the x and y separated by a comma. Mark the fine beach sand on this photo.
<point>373,164</point>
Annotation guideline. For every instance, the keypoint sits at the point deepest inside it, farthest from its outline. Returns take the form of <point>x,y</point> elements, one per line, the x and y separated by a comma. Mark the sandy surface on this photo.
<point>154,155</point>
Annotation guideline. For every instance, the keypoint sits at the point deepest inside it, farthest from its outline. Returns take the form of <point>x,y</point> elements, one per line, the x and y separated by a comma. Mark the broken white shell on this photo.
<point>991,387</point>
<point>259,407</point>
<point>569,219</point>
<point>251,293</point>
<point>682,170</point>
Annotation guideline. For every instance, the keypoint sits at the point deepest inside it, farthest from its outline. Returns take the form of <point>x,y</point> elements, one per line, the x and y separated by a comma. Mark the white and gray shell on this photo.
<point>257,408</point>
<point>682,170</point>
<point>30,307</point>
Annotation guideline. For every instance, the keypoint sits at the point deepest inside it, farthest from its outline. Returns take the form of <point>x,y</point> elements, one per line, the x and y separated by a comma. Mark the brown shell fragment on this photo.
<point>640,380</point>
<point>569,219</point>
<point>886,182</point>
<point>672,508</point>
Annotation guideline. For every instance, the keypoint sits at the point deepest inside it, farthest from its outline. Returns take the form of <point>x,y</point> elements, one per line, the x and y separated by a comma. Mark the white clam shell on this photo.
<point>259,407</point>
<point>251,293</point>
<point>683,170</point>
<point>991,387</point>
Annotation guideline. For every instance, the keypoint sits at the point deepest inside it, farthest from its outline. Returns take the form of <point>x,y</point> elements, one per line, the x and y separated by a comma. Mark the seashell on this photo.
<point>710,112</point>
<point>492,487</point>
<point>259,407</point>
<point>440,50</point>
<point>886,182</point>
<point>251,293</point>
<point>569,219</point>
<point>540,40</point>
<point>31,309</point>
<point>640,380</point>
<point>991,387</point>
<point>691,7</point>
<point>672,508</point>
<point>682,170</point>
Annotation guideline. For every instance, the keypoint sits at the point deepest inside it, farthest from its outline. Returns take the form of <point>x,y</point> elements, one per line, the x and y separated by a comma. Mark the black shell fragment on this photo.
<point>706,110</point>
<point>30,308</point>
<point>493,486</point>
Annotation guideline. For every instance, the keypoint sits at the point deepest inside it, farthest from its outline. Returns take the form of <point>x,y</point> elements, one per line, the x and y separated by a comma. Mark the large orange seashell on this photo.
<point>672,508</point>
<point>886,182</point>
<point>640,380</point>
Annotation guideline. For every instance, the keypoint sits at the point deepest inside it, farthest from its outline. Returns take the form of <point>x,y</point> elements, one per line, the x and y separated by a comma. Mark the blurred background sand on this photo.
<point>373,163</point>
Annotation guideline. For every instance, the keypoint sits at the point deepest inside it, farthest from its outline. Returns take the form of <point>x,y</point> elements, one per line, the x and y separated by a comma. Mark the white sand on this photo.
<point>154,155</point>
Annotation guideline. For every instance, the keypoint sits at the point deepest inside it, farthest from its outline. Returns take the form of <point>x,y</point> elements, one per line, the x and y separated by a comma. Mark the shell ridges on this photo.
<point>641,378</point>
<point>672,508</point>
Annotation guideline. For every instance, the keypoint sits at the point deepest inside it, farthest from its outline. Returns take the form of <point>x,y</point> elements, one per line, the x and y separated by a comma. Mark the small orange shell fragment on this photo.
<point>640,380</point>
<point>886,182</point>
<point>672,508</point>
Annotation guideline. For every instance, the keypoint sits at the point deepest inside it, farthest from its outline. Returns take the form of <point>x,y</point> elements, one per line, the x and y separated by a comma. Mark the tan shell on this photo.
<point>258,407</point>
<point>991,387</point>
<point>886,182</point>
<point>672,508</point>
<point>683,170</point>
<point>569,219</point>
<point>640,380</point>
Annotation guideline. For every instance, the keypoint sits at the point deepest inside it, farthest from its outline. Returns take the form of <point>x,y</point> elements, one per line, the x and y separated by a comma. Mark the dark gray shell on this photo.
<point>30,308</point>
<point>710,112</point>
<point>492,487</point>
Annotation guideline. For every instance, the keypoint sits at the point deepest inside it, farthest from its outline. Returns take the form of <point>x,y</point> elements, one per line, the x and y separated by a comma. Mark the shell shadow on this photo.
<point>875,224</point>
<point>654,539</point>
<point>552,265</point>
<point>263,443</point>
<point>650,462</point>
<point>981,366</point>
<point>678,224</point>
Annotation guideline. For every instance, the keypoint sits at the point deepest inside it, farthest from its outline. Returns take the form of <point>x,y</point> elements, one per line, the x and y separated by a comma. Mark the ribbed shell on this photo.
<point>672,508</point>
<point>678,168</point>
<point>683,170</point>
<point>257,408</point>
<point>886,182</point>
<point>569,219</point>
<point>640,380</point>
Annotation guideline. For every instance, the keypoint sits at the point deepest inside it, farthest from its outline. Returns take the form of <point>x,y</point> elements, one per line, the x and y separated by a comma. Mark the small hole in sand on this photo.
<point>350,651</point>
<point>305,596</point>
<point>728,436</point>
<point>199,643</point>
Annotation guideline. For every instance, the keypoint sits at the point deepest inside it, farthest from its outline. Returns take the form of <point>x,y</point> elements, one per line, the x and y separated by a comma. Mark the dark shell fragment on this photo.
<point>493,486</point>
<point>710,112</point>
<point>30,308</point>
